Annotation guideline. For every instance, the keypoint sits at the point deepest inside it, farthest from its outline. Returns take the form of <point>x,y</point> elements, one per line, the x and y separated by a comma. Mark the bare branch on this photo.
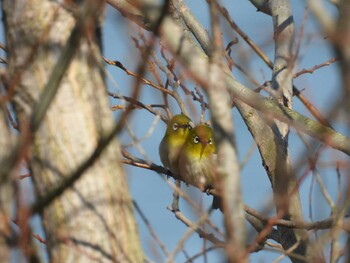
<point>198,230</point>
<point>143,80</point>
<point>316,67</point>
<point>150,228</point>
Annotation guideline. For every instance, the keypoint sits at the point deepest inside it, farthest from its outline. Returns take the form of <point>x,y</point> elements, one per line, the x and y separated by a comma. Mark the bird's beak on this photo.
<point>185,127</point>
<point>204,144</point>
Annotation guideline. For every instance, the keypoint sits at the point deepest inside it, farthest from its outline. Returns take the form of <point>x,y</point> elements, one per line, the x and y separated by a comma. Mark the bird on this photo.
<point>178,128</point>
<point>197,160</point>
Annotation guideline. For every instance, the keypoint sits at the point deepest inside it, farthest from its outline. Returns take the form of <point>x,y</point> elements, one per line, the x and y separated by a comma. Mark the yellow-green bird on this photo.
<point>175,136</point>
<point>198,159</point>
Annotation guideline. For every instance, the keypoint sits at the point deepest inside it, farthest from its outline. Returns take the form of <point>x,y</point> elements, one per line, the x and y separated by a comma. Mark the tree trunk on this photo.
<point>93,219</point>
<point>6,189</point>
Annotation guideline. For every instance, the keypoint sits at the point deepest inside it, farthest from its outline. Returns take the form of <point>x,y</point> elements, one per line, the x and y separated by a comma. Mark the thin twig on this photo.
<point>23,176</point>
<point>195,256</point>
<point>324,190</point>
<point>138,104</point>
<point>192,228</point>
<point>11,120</point>
<point>150,228</point>
<point>312,69</point>
<point>195,227</point>
<point>246,38</point>
<point>142,79</point>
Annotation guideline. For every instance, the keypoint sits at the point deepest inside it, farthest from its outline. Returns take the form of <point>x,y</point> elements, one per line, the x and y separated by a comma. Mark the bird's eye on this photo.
<point>175,126</point>
<point>196,139</point>
<point>210,141</point>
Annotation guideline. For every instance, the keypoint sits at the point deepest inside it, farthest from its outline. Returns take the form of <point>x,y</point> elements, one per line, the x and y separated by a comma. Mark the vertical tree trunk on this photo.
<point>6,189</point>
<point>93,220</point>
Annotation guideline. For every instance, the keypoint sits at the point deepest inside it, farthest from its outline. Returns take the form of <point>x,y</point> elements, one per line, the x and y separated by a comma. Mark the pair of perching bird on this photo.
<point>190,153</point>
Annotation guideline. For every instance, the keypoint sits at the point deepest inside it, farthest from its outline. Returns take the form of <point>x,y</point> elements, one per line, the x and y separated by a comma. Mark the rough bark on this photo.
<point>93,219</point>
<point>6,190</point>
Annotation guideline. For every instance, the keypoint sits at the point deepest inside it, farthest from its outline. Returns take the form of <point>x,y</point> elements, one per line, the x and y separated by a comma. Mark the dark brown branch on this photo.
<point>137,162</point>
